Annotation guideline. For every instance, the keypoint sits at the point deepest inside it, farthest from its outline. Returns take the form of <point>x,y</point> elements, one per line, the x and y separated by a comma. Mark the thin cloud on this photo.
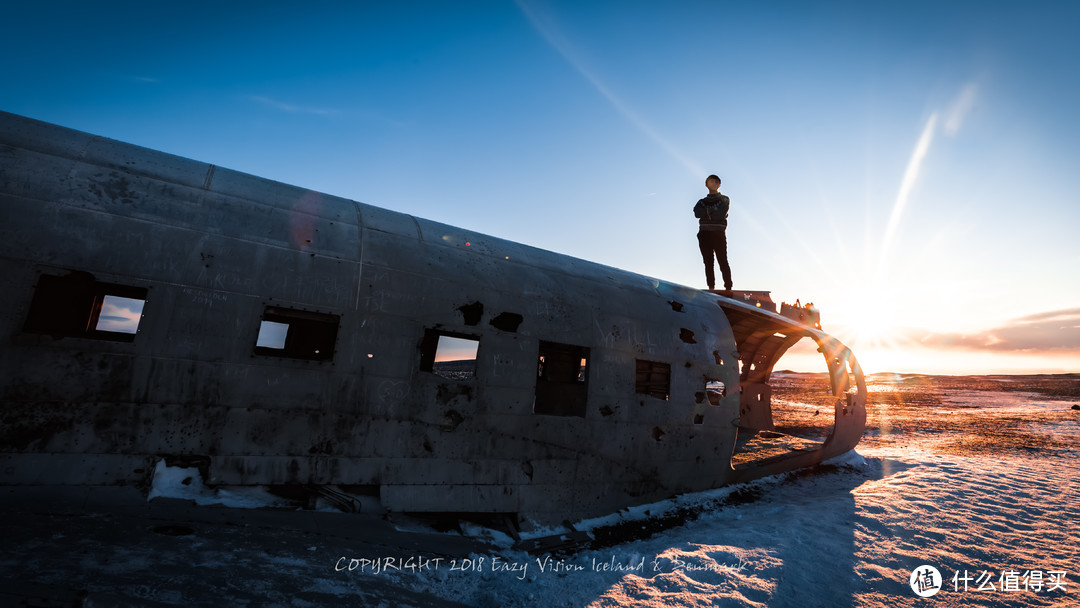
<point>951,123</point>
<point>960,108</point>
<point>120,314</point>
<point>907,184</point>
<point>294,109</point>
<point>1054,315</point>
<point>1057,330</point>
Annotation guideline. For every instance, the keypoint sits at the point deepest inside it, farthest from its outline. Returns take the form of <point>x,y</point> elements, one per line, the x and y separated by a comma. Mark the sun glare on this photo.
<point>868,317</point>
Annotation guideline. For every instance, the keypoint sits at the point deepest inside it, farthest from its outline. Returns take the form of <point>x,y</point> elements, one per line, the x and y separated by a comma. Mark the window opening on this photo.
<point>298,334</point>
<point>120,315</point>
<point>449,355</point>
<point>653,378</point>
<point>79,306</point>
<point>272,335</point>
<point>715,391</point>
<point>561,379</point>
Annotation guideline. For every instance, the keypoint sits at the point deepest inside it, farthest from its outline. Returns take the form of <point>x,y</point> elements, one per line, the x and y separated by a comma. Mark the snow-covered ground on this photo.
<point>980,484</point>
<point>973,477</point>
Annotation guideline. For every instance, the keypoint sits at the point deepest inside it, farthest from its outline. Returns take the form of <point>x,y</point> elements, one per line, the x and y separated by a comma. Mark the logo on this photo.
<point>925,581</point>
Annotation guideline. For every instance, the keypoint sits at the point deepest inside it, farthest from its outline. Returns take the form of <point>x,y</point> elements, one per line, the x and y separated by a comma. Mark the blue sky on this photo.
<point>909,167</point>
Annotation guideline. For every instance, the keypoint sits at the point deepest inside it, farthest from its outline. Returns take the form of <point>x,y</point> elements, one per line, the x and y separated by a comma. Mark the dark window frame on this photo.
<point>69,306</point>
<point>652,378</point>
<point>310,335</point>
<point>562,380</point>
<point>429,348</point>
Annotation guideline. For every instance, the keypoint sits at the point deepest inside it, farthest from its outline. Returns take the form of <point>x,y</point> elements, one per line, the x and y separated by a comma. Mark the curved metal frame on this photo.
<point>763,337</point>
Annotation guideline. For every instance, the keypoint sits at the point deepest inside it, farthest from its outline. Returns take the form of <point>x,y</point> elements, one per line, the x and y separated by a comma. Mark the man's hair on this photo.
<point>713,177</point>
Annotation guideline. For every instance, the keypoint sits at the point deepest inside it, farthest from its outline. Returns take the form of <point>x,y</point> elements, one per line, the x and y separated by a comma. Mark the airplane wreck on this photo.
<point>159,308</point>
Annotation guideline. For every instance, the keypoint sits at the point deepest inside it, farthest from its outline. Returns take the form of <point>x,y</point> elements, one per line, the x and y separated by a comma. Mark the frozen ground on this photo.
<point>973,476</point>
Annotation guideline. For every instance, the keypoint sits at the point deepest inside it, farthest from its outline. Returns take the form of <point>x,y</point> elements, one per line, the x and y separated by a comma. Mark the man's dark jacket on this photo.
<point>712,211</point>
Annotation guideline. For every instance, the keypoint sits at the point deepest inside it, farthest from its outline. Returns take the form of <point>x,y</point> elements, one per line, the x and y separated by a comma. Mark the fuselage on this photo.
<point>161,308</point>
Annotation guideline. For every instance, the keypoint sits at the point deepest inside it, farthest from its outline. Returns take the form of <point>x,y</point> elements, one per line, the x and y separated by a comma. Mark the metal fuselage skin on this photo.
<point>214,254</point>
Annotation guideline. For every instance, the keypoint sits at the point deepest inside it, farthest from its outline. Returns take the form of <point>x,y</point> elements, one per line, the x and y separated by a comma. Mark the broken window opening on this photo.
<point>561,380</point>
<point>715,391</point>
<point>653,378</point>
<point>449,355</point>
<point>471,313</point>
<point>297,334</point>
<point>79,306</point>
<point>507,321</point>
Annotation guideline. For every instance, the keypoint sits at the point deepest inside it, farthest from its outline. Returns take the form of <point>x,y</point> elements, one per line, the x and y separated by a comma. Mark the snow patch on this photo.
<point>187,484</point>
<point>850,459</point>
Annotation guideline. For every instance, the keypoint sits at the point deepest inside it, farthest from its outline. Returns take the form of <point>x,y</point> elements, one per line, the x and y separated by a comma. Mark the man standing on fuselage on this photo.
<point>712,212</point>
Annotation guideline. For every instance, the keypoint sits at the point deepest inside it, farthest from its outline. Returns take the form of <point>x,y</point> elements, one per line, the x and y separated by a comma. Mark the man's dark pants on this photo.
<point>714,242</point>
